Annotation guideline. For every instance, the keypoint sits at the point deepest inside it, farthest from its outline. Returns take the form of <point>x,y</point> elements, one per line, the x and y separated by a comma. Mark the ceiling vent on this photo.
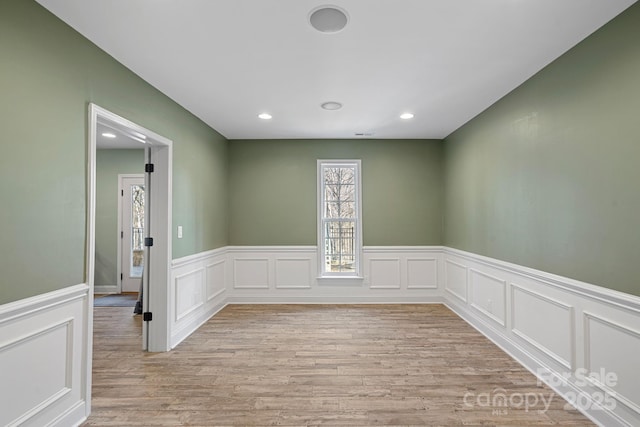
<point>328,19</point>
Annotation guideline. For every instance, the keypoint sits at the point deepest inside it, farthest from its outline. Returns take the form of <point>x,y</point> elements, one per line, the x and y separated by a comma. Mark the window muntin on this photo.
<point>339,236</point>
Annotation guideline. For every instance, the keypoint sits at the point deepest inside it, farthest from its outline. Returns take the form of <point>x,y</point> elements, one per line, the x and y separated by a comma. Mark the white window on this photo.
<point>339,218</point>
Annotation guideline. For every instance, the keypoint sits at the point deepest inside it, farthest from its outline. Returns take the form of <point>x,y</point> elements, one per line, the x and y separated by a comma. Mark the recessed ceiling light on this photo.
<point>331,105</point>
<point>328,19</point>
<point>406,116</point>
<point>265,116</point>
<point>109,135</point>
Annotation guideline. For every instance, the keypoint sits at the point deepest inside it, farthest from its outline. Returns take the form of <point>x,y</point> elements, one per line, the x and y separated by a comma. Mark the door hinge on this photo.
<point>122,193</point>
<point>148,241</point>
<point>148,167</point>
<point>147,316</point>
<point>121,276</point>
<point>122,234</point>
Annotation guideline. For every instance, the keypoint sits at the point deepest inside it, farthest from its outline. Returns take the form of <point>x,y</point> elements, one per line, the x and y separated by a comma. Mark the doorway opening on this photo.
<point>153,260</point>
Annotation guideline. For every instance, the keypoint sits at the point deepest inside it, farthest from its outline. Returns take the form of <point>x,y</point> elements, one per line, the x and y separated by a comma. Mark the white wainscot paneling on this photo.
<point>384,273</point>
<point>545,323</point>
<point>613,348</point>
<point>42,340</point>
<point>456,279</point>
<point>488,295</point>
<point>289,274</point>
<point>199,285</point>
<point>188,292</point>
<point>422,273</point>
<point>251,273</point>
<point>216,279</point>
<point>272,273</point>
<point>53,376</point>
<point>542,314</point>
<point>293,273</point>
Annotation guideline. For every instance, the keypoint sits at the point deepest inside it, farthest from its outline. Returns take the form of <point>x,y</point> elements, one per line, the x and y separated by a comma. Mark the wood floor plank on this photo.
<point>305,365</point>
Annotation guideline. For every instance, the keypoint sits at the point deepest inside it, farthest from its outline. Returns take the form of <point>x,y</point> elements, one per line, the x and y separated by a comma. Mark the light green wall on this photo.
<point>545,178</point>
<point>273,193</point>
<point>109,164</point>
<point>549,176</point>
<point>48,76</point>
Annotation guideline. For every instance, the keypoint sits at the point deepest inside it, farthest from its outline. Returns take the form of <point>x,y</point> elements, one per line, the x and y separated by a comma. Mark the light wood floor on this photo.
<point>314,365</point>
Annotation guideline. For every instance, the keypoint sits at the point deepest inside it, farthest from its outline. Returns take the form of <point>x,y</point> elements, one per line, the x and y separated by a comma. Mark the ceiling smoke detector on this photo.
<point>331,106</point>
<point>328,19</point>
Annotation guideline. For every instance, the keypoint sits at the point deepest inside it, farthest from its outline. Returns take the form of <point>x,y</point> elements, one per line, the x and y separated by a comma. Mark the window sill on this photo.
<point>341,280</point>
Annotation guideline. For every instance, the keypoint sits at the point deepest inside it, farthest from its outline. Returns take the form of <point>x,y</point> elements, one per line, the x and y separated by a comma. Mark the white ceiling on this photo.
<point>226,61</point>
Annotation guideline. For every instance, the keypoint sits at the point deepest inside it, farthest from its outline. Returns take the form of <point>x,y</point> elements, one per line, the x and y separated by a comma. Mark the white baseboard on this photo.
<point>42,354</point>
<point>105,289</point>
<point>333,300</point>
<point>555,326</point>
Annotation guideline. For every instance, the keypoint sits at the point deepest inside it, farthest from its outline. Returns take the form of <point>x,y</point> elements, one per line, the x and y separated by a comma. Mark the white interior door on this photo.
<point>132,233</point>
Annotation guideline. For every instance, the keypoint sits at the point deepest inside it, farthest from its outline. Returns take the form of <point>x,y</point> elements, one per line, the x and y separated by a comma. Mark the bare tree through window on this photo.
<point>339,218</point>
<point>137,230</point>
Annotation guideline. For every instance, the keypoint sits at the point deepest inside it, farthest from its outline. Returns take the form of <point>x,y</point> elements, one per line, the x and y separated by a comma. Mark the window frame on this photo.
<point>322,164</point>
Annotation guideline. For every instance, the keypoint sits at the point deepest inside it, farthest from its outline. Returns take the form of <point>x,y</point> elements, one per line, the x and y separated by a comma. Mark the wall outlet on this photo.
<point>179,232</point>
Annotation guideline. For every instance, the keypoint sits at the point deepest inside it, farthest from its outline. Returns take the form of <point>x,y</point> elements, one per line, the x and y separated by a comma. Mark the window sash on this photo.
<point>339,223</point>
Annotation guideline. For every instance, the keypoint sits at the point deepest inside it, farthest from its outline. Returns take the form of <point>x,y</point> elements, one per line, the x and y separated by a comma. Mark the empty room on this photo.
<point>243,212</point>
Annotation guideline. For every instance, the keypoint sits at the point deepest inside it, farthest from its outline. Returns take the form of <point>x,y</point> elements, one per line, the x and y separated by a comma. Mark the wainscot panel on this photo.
<point>612,348</point>
<point>384,273</point>
<point>488,295</point>
<point>456,280</point>
<point>422,273</point>
<point>545,323</point>
<point>43,340</point>
<point>198,288</point>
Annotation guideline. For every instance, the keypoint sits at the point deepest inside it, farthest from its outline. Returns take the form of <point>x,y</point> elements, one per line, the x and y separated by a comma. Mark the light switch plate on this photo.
<point>179,232</point>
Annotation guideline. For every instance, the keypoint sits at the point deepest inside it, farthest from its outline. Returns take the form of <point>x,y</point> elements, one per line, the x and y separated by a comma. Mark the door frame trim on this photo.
<point>161,206</point>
